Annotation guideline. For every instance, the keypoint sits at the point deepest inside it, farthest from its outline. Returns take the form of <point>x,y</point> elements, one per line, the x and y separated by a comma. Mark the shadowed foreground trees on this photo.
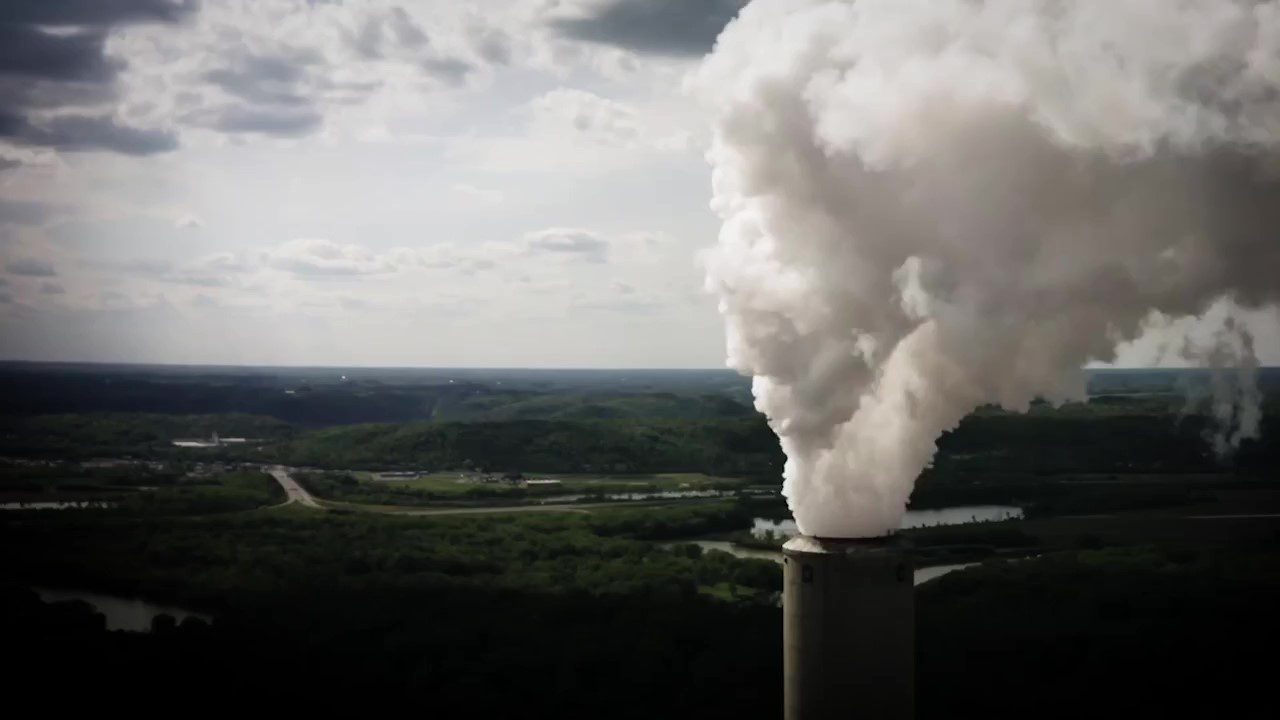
<point>570,616</point>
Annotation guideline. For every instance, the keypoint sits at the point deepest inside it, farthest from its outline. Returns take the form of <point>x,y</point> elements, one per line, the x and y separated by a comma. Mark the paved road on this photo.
<point>494,509</point>
<point>484,510</point>
<point>292,489</point>
<point>297,494</point>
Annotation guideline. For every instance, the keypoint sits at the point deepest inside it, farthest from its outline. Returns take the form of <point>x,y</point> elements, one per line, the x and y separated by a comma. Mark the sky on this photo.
<point>304,182</point>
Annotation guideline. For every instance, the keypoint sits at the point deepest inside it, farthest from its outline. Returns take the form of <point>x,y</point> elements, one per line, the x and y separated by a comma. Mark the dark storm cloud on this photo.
<point>86,132</point>
<point>660,27</point>
<point>97,13</point>
<point>52,56</point>
<point>32,94</point>
<point>31,52</point>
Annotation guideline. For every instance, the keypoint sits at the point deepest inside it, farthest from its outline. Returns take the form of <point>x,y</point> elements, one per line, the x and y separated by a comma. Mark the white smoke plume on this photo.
<point>929,205</point>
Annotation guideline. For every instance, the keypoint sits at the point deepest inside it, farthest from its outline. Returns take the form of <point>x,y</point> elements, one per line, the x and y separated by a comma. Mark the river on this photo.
<point>959,515</point>
<point>122,613</point>
<point>922,575</point>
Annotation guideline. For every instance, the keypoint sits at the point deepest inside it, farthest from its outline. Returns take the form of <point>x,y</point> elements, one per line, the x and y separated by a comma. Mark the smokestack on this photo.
<point>848,629</point>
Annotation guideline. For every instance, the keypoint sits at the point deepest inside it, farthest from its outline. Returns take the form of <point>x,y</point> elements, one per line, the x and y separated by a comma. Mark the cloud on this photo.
<point>382,31</point>
<point>30,267</point>
<point>64,40</point>
<point>280,68</point>
<point>53,58</point>
<point>222,269</point>
<point>188,222</point>
<point>571,242</point>
<point>25,212</point>
<point>479,194</point>
<point>447,256</point>
<point>449,70</point>
<point>316,257</point>
<point>51,288</point>
<point>277,121</point>
<point>265,79</point>
<point>279,76</point>
<point>659,27</point>
<point>630,304</point>
<point>490,43</point>
<point>93,13</point>
<point>276,93</point>
<point>86,132</point>
<point>578,115</point>
<point>32,52</point>
<point>392,34</point>
<point>216,270</point>
<point>16,157</point>
<point>605,121</point>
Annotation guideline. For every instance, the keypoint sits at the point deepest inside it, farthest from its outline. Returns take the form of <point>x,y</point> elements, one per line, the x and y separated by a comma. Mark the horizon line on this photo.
<point>286,366</point>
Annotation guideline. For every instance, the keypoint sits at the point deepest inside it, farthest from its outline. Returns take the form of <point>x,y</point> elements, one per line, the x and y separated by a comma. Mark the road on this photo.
<point>492,509</point>
<point>292,489</point>
<point>297,494</point>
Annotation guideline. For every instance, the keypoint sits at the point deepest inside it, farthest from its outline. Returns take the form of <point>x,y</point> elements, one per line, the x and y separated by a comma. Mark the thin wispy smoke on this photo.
<point>1232,400</point>
<point>929,205</point>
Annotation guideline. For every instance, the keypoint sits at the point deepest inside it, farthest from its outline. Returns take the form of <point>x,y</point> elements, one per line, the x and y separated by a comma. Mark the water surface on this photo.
<point>131,614</point>
<point>922,575</point>
<point>959,515</point>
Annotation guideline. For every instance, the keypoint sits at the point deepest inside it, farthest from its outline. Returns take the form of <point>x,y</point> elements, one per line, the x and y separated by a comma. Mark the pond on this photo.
<point>959,515</point>
<point>131,614</point>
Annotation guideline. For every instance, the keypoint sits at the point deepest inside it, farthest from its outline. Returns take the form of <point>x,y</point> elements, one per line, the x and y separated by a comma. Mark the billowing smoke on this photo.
<point>929,205</point>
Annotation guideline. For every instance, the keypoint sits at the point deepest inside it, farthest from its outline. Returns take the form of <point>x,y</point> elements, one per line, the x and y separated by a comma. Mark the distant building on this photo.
<point>542,483</point>
<point>213,441</point>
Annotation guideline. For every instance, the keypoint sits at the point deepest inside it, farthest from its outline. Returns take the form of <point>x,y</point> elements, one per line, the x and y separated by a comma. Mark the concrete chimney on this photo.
<point>848,629</point>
